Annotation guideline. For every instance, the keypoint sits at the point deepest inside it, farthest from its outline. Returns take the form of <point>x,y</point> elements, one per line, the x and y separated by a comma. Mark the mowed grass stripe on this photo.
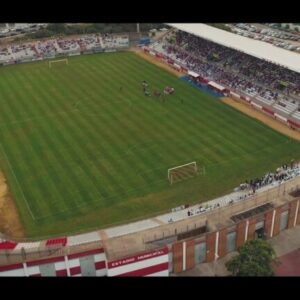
<point>54,174</point>
<point>21,168</point>
<point>117,130</point>
<point>146,116</point>
<point>85,124</point>
<point>180,111</point>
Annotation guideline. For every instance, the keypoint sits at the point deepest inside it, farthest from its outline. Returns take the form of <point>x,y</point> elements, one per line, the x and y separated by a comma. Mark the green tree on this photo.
<point>255,258</point>
<point>57,27</point>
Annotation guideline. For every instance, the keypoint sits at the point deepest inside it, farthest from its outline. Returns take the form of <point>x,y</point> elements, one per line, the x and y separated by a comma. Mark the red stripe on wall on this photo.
<point>11,267</point>
<point>61,273</point>
<point>86,253</point>
<point>140,257</point>
<point>293,123</point>
<point>75,270</point>
<point>268,111</point>
<point>100,265</point>
<point>45,261</point>
<point>146,271</point>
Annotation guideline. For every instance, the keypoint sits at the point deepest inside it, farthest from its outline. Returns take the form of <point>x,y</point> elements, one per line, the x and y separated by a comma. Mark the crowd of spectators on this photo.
<point>233,68</point>
<point>245,190</point>
<point>60,46</point>
<point>283,173</point>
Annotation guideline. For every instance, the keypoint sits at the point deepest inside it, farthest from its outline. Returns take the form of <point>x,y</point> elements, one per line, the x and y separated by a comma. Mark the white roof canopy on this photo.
<point>259,49</point>
<point>193,74</point>
<point>217,86</point>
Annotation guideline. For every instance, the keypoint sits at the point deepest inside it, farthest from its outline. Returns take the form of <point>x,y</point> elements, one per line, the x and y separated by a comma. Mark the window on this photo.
<point>200,253</point>
<point>231,238</point>
<point>284,220</point>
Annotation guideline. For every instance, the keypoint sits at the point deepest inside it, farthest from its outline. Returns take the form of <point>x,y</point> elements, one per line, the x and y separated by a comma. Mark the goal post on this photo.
<point>58,61</point>
<point>182,172</point>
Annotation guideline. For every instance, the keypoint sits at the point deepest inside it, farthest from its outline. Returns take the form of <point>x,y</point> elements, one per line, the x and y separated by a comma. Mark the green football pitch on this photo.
<point>79,152</point>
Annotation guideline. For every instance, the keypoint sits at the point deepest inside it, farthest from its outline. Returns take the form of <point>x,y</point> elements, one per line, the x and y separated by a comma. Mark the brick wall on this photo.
<point>251,229</point>
<point>276,229</point>
<point>177,257</point>
<point>210,246</point>
<point>222,242</point>
<point>268,223</point>
<point>240,234</point>
<point>292,213</point>
<point>190,254</point>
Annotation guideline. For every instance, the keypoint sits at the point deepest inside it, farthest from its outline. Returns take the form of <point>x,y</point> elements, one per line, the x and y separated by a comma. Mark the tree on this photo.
<point>255,258</point>
<point>57,27</point>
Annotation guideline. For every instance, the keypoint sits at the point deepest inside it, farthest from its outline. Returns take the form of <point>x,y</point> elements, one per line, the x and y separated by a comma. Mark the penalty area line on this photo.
<point>20,188</point>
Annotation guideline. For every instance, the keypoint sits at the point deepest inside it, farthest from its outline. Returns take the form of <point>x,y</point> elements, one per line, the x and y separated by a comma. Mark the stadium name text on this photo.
<point>137,258</point>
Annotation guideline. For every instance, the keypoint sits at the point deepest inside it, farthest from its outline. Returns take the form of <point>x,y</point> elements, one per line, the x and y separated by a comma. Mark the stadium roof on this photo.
<point>262,50</point>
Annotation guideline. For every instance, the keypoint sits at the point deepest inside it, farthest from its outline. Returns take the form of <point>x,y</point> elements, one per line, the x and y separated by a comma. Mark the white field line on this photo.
<point>20,188</point>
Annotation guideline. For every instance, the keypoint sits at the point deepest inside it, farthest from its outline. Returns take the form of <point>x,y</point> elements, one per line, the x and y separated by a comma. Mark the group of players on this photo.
<point>156,93</point>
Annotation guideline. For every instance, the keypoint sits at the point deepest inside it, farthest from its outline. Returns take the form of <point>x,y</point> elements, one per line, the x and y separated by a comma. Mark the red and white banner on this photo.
<point>63,265</point>
<point>234,94</point>
<point>7,245</point>
<point>280,117</point>
<point>154,263</point>
<point>256,105</point>
<point>293,123</point>
<point>267,110</point>
<point>12,270</point>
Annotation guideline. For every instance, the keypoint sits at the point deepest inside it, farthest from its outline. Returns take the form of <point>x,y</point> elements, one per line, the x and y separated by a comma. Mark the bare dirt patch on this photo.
<point>269,121</point>
<point>156,62</point>
<point>10,223</point>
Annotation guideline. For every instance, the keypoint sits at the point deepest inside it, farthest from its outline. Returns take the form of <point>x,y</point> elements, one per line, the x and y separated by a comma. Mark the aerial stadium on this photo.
<point>145,157</point>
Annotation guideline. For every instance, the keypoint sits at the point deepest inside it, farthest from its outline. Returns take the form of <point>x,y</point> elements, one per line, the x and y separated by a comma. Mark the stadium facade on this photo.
<point>162,250</point>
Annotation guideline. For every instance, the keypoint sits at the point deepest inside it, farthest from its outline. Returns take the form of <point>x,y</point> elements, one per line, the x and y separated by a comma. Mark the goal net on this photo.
<point>184,172</point>
<point>58,61</point>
